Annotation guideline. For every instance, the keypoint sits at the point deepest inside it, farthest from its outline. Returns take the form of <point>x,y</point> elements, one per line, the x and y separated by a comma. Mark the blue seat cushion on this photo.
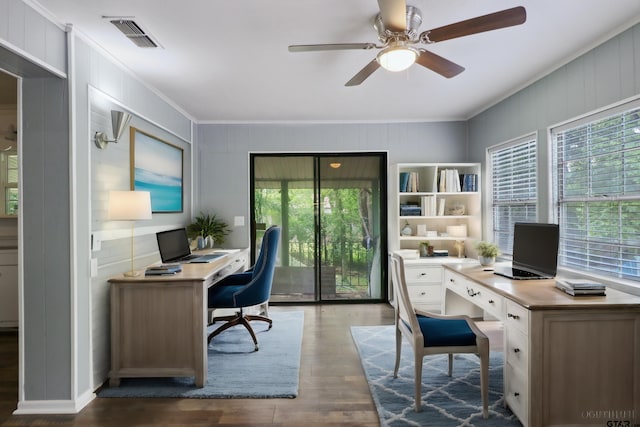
<point>222,296</point>
<point>445,332</point>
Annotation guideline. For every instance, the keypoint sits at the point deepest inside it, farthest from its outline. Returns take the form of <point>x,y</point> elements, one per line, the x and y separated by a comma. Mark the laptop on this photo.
<point>535,252</point>
<point>174,247</point>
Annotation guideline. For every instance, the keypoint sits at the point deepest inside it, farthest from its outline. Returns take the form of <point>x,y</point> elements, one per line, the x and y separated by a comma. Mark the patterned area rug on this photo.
<point>234,369</point>
<point>446,401</point>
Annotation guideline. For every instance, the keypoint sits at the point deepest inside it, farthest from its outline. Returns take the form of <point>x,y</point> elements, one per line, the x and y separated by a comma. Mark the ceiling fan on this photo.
<point>397,26</point>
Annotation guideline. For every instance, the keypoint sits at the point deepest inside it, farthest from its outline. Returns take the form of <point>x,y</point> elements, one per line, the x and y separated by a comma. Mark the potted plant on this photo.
<point>487,252</point>
<point>208,225</point>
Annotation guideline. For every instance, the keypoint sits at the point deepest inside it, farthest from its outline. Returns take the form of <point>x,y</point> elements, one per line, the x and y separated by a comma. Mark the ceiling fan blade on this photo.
<point>364,73</point>
<point>334,46</point>
<point>480,24</point>
<point>437,63</point>
<point>394,14</point>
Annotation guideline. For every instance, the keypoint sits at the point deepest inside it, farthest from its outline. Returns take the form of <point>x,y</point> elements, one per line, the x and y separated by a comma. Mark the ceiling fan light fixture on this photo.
<point>397,58</point>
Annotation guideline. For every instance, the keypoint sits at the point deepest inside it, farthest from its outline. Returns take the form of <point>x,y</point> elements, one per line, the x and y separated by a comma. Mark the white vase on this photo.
<point>486,260</point>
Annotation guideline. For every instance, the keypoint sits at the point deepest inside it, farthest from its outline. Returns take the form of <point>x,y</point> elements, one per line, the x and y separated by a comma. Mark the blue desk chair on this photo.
<point>430,333</point>
<point>247,289</point>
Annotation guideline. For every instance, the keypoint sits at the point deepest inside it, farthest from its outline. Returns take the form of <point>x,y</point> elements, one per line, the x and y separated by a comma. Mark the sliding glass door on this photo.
<point>332,210</point>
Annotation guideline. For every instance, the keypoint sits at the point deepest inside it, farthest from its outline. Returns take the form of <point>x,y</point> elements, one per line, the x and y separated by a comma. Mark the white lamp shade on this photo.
<point>397,58</point>
<point>129,205</point>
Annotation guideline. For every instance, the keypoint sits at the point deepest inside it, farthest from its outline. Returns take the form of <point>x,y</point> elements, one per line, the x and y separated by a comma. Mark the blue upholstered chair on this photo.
<point>247,289</point>
<point>430,333</point>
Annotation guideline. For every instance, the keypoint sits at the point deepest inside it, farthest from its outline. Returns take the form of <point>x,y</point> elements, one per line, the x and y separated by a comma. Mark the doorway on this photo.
<point>332,210</point>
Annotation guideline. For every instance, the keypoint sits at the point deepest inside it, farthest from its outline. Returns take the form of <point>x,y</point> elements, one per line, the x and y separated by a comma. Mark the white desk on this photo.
<point>159,323</point>
<point>569,361</point>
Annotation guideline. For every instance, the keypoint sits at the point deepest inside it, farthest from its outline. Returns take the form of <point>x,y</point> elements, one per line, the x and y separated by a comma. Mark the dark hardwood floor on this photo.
<point>333,389</point>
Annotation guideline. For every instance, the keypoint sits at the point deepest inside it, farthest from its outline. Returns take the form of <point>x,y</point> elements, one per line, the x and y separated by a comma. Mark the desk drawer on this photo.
<point>517,317</point>
<point>425,293</point>
<point>516,349</point>
<point>421,273</point>
<point>516,393</point>
<point>486,299</point>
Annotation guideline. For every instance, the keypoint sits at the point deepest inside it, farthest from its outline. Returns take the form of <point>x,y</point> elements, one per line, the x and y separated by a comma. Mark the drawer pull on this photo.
<point>472,293</point>
<point>491,301</point>
<point>451,280</point>
<point>513,316</point>
<point>423,293</point>
<point>516,350</point>
<point>423,274</point>
<point>516,394</point>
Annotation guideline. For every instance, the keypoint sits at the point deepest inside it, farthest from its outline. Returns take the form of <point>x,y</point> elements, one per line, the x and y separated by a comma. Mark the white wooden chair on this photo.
<point>430,333</point>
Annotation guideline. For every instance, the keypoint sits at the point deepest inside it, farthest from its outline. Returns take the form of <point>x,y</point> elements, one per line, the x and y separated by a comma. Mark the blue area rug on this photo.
<point>235,370</point>
<point>446,401</point>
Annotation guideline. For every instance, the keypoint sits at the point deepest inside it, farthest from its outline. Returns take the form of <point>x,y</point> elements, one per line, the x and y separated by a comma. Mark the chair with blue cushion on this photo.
<point>430,333</point>
<point>248,289</point>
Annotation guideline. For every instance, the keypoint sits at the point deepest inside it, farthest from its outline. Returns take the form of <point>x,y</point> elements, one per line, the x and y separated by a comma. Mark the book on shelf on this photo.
<point>577,287</point>
<point>410,209</point>
<point>441,207</point>
<point>449,181</point>
<point>409,182</point>
<point>428,204</point>
<point>469,182</point>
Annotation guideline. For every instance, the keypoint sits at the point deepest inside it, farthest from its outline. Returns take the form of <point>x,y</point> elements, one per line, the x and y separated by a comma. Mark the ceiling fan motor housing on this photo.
<point>414,20</point>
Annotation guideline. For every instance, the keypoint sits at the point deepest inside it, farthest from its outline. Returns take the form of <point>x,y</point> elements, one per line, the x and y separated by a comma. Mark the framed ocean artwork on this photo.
<point>156,166</point>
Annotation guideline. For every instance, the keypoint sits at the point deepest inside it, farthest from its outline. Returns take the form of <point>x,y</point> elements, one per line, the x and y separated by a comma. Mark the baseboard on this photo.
<point>31,407</point>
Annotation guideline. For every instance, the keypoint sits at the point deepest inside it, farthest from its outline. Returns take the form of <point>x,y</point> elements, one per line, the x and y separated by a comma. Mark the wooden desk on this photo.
<point>159,323</point>
<point>569,361</point>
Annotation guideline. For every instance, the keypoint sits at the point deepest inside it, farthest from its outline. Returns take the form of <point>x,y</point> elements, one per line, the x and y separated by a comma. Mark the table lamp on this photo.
<point>129,206</point>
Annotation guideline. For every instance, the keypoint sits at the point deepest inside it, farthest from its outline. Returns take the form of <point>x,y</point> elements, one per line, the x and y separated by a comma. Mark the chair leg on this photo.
<point>484,378</point>
<point>251,317</point>
<point>398,350</point>
<point>239,319</point>
<point>235,320</point>
<point>245,322</point>
<point>418,380</point>
<point>450,363</point>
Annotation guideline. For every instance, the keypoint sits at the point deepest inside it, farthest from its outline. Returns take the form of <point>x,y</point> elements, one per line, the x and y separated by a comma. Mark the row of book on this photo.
<point>163,270</point>
<point>427,207</point>
<point>448,180</point>
<point>409,182</point>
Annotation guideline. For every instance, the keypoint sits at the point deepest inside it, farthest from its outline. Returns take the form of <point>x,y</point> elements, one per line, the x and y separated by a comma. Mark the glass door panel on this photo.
<point>349,194</point>
<point>331,218</point>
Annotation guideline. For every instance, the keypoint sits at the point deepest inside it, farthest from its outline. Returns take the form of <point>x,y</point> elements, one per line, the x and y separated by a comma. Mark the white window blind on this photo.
<point>514,188</point>
<point>597,165</point>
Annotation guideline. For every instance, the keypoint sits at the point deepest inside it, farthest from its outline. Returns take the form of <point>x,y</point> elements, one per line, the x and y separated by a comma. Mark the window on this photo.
<point>597,175</point>
<point>9,180</point>
<point>514,188</point>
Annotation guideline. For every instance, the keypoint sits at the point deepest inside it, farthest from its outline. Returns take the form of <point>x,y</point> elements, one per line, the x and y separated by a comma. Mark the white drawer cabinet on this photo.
<point>424,284</point>
<point>8,288</point>
<point>516,380</point>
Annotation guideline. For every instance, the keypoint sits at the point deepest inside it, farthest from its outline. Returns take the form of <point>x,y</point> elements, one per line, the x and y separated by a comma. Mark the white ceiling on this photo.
<point>227,60</point>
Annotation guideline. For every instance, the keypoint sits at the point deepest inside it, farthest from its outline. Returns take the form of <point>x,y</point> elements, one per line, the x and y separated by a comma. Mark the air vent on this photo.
<point>134,33</point>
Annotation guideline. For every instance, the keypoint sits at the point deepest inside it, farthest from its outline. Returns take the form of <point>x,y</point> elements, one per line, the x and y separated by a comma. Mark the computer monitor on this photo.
<point>535,247</point>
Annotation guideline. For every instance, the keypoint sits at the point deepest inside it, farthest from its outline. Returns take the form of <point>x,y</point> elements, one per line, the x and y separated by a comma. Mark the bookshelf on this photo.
<point>439,203</point>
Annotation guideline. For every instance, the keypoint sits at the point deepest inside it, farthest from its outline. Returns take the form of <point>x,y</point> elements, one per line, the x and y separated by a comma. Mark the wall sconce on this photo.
<point>119,121</point>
